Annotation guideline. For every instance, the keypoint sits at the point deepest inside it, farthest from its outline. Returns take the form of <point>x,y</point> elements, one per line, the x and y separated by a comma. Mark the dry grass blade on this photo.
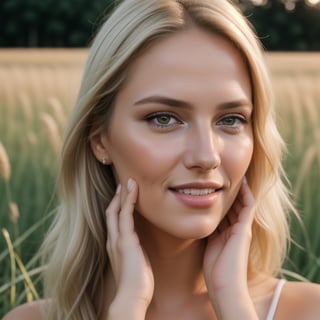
<point>317,144</point>
<point>34,272</point>
<point>312,111</point>
<point>53,131</point>
<point>26,277</point>
<point>14,212</point>
<point>298,117</point>
<point>294,275</point>
<point>5,169</point>
<point>308,159</point>
<point>13,266</point>
<point>57,110</point>
<point>26,105</point>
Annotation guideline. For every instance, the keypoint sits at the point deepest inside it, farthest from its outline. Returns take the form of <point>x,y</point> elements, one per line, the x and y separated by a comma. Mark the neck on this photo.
<point>176,265</point>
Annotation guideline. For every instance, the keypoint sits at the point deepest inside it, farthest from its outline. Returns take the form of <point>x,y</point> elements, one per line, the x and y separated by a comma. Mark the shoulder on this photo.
<point>299,300</point>
<point>28,311</point>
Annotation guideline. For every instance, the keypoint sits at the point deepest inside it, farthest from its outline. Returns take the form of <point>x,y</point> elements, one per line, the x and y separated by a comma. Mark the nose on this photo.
<point>202,148</point>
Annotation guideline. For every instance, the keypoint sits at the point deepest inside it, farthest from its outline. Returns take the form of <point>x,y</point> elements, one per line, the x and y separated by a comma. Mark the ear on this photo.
<point>99,146</point>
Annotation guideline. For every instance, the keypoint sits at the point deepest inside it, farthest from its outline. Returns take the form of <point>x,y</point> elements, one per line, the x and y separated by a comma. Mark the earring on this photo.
<point>104,161</point>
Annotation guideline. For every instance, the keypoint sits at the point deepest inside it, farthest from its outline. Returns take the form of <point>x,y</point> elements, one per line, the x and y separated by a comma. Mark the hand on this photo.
<point>226,259</point>
<point>131,268</point>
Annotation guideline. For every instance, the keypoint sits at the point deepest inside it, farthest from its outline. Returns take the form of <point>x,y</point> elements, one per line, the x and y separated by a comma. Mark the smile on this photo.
<point>197,196</point>
<point>196,192</point>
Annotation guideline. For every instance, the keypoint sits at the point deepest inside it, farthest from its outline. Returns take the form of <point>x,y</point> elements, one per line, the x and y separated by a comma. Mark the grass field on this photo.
<point>37,90</point>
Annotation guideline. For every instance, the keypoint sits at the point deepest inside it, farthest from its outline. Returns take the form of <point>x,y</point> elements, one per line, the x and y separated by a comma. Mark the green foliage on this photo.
<point>285,25</point>
<point>31,191</point>
<point>281,24</point>
<point>50,23</point>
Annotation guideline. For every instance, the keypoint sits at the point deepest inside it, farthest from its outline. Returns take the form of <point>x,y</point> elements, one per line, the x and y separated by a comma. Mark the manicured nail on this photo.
<point>118,188</point>
<point>130,185</point>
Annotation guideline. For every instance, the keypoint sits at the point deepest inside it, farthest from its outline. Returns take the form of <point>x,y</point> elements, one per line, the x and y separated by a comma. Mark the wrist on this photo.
<point>231,305</point>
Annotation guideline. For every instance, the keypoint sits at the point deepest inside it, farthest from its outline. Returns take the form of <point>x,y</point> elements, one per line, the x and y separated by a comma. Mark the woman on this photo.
<point>172,203</point>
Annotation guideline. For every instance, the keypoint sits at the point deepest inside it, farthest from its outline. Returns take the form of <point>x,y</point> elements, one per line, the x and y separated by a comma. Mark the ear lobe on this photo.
<point>99,148</point>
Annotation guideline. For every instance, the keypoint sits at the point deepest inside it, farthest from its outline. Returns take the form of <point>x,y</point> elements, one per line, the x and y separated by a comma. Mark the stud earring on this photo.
<point>104,161</point>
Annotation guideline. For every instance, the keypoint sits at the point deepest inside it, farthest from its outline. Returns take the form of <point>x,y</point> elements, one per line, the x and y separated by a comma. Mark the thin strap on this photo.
<point>275,300</point>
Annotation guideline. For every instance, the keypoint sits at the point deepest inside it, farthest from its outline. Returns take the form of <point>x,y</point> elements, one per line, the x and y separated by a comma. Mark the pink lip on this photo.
<point>197,201</point>
<point>198,185</point>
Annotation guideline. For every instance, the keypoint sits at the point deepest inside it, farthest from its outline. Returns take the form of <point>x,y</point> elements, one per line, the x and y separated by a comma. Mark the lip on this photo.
<point>197,194</point>
<point>198,185</point>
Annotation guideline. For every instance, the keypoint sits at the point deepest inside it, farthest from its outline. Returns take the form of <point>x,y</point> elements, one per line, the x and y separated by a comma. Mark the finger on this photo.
<point>248,203</point>
<point>233,213</point>
<point>247,198</point>
<point>224,224</point>
<point>126,223</point>
<point>112,216</point>
<point>242,209</point>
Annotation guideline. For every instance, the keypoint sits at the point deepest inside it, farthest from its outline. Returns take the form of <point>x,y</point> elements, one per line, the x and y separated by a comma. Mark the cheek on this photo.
<point>142,158</point>
<point>236,158</point>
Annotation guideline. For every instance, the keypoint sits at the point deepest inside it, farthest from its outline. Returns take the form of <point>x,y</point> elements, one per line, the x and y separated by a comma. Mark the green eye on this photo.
<point>163,119</point>
<point>229,121</point>
<point>232,123</point>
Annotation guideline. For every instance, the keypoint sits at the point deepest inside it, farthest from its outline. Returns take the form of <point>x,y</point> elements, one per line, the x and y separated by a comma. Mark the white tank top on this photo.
<point>275,299</point>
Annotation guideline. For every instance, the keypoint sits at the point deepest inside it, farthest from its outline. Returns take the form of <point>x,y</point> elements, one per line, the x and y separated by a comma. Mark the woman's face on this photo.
<point>182,129</point>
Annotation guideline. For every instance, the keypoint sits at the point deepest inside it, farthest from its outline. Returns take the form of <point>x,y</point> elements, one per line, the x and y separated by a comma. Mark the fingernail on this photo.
<point>130,185</point>
<point>118,188</point>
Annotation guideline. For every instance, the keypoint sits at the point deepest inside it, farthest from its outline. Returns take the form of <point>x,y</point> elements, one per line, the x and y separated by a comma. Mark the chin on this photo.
<point>196,232</point>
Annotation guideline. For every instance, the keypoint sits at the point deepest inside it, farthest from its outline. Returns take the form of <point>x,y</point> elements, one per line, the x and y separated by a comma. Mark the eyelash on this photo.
<point>240,119</point>
<point>153,118</point>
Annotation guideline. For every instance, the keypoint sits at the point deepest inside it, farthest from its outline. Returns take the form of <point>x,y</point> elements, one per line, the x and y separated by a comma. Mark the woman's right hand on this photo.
<point>130,265</point>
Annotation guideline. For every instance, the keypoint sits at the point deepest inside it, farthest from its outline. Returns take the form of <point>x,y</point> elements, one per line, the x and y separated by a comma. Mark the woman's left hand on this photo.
<point>226,260</point>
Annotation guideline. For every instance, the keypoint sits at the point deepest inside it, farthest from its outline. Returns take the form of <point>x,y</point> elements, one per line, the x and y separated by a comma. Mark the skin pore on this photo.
<point>181,124</point>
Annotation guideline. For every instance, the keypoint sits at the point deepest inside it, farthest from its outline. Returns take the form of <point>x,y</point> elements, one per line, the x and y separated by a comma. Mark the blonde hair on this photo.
<point>76,244</point>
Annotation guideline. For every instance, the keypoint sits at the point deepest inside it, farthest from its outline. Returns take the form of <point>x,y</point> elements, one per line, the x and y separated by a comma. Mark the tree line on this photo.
<point>287,25</point>
<point>50,23</point>
<point>280,24</point>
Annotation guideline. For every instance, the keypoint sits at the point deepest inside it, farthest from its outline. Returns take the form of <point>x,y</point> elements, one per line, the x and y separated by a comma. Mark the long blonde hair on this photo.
<point>75,247</point>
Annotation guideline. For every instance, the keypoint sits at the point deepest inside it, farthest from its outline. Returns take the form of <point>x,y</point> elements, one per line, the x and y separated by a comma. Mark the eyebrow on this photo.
<point>166,101</point>
<point>171,102</point>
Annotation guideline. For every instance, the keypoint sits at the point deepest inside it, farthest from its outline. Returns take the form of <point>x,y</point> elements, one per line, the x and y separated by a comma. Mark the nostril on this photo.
<point>203,148</point>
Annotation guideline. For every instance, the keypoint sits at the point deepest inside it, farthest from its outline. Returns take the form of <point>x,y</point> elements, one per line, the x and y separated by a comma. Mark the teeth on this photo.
<point>196,192</point>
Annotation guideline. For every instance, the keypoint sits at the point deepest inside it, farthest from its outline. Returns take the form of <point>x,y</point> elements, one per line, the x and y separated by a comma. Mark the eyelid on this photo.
<point>240,122</point>
<point>160,113</point>
<point>238,116</point>
<point>150,117</point>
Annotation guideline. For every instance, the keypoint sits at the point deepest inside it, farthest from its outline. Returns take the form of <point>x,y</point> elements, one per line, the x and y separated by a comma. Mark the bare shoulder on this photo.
<point>28,311</point>
<point>299,300</point>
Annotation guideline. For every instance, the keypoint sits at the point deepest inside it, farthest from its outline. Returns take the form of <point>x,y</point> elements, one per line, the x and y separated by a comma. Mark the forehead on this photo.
<point>194,59</point>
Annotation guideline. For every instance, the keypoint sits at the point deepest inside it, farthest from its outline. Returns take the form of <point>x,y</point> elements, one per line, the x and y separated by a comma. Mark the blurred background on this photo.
<point>281,24</point>
<point>43,48</point>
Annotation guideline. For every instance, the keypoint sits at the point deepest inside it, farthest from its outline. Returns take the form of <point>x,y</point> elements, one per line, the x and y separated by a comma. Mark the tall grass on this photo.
<point>296,80</point>
<point>37,90</point>
<point>36,93</point>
